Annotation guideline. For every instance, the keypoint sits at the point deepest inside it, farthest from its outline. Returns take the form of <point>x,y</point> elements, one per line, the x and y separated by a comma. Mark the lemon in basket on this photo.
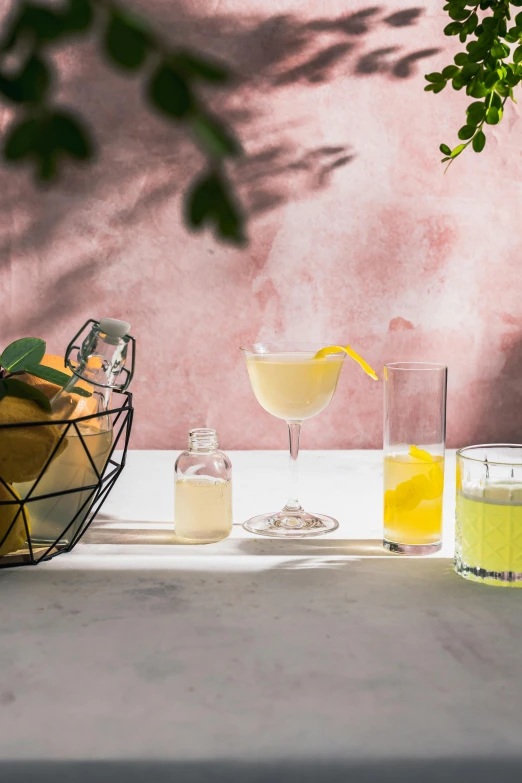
<point>17,535</point>
<point>24,450</point>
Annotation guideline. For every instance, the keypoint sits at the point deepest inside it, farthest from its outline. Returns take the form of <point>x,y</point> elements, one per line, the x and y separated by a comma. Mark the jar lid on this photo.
<point>203,439</point>
<point>114,328</point>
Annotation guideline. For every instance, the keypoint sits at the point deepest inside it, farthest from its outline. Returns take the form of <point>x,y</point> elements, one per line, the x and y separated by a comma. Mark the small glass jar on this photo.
<point>203,490</point>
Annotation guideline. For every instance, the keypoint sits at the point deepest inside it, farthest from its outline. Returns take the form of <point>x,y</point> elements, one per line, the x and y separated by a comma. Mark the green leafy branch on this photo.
<point>45,134</point>
<point>488,69</point>
<point>24,356</point>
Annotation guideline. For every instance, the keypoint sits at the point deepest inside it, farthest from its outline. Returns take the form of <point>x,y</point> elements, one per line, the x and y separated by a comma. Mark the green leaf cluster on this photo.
<point>44,134</point>
<point>25,356</point>
<point>488,69</point>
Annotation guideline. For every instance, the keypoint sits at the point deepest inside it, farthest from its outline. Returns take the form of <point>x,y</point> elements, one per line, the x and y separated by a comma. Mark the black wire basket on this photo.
<point>48,513</point>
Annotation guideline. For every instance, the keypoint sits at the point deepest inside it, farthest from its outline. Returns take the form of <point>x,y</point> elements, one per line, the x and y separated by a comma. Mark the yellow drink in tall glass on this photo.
<point>413,499</point>
<point>293,386</point>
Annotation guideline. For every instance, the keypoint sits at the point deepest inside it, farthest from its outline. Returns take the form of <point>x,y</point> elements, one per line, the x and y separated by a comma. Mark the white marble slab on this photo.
<point>253,659</point>
<point>344,484</point>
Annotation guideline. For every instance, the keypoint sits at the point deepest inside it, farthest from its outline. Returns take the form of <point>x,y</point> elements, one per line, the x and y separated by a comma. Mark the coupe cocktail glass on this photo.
<point>293,385</point>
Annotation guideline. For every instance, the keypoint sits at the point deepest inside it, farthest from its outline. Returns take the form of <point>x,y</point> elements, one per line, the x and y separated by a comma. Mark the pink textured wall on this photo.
<point>356,235</point>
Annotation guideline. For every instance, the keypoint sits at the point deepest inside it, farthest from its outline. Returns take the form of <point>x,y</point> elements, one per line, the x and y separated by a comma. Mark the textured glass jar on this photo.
<point>203,490</point>
<point>488,533</point>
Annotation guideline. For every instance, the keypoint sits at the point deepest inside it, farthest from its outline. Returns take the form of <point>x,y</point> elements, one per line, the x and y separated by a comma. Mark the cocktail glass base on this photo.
<point>291,524</point>
<point>412,549</point>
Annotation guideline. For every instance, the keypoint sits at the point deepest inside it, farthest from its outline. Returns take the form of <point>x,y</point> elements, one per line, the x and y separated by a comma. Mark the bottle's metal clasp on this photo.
<point>73,367</point>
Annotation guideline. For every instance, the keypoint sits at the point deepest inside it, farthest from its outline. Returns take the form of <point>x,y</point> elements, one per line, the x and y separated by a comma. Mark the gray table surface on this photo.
<point>255,660</point>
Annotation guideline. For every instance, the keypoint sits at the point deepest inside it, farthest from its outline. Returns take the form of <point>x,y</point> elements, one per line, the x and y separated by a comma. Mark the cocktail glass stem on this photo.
<point>294,433</point>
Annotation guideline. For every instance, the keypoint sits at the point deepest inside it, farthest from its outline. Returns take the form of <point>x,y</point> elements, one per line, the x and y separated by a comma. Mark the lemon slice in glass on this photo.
<point>409,494</point>
<point>355,356</point>
<point>421,454</point>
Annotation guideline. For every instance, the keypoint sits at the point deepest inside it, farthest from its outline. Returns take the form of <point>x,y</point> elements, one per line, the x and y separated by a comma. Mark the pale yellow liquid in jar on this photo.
<point>71,470</point>
<point>293,386</point>
<point>413,499</point>
<point>203,509</point>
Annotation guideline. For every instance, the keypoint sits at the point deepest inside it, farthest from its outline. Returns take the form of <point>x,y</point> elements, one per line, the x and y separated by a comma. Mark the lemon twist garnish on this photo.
<point>346,348</point>
<point>421,454</point>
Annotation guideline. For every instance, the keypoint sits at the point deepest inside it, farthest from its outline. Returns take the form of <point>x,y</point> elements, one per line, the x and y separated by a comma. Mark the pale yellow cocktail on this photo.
<point>293,386</point>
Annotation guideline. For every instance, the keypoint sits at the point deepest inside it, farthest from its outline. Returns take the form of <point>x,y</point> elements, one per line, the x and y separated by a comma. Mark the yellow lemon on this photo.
<point>73,405</point>
<point>46,387</point>
<point>436,480</point>
<point>351,353</point>
<point>25,450</point>
<point>17,535</point>
<point>459,476</point>
<point>408,494</point>
<point>421,454</point>
<point>389,505</point>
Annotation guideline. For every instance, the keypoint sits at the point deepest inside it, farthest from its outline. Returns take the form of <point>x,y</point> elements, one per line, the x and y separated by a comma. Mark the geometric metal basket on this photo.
<point>52,517</point>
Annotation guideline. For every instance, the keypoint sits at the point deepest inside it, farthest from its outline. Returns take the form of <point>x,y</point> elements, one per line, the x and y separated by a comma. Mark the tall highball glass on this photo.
<point>414,443</point>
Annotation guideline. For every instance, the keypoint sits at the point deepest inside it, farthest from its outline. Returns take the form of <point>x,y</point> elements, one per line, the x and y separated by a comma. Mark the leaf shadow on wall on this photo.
<point>145,163</point>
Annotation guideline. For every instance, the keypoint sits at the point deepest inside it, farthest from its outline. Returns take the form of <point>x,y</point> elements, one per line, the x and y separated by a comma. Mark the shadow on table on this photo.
<point>122,532</point>
<point>138,533</point>
<point>310,547</point>
<point>391,771</point>
<point>126,533</point>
